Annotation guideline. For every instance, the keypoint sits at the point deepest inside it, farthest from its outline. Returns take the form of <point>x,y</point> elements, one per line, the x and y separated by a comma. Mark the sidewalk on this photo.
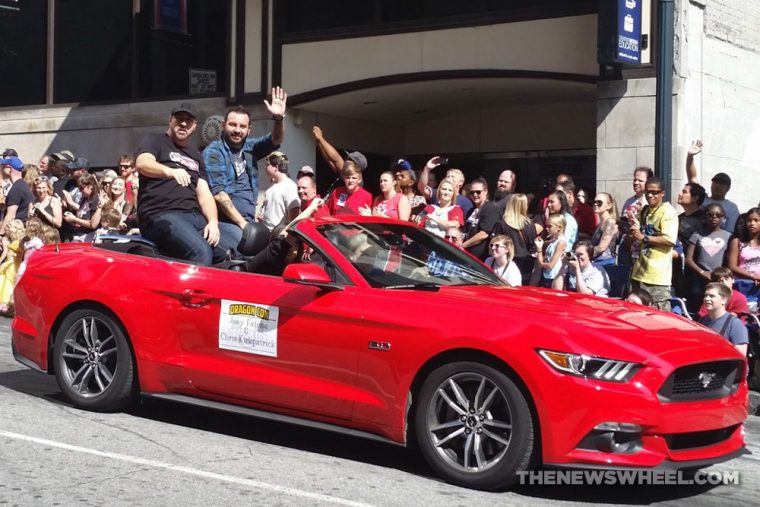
<point>754,403</point>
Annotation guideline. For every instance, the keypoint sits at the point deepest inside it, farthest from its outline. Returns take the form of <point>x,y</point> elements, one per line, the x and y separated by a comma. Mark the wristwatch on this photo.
<point>645,240</point>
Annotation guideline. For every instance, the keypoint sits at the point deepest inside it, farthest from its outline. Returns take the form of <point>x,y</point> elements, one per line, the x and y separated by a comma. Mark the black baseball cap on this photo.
<point>186,107</point>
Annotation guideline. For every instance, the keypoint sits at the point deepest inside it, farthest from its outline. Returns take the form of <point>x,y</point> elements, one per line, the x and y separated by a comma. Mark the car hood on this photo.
<point>632,330</point>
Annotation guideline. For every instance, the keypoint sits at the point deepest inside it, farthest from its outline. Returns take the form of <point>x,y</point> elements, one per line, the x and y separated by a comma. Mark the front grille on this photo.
<point>703,381</point>
<point>697,439</point>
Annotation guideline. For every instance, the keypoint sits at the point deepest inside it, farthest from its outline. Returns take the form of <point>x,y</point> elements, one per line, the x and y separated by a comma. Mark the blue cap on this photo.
<point>403,164</point>
<point>14,162</point>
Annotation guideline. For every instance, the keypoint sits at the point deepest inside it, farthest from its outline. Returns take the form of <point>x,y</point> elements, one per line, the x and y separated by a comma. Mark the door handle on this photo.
<point>193,298</point>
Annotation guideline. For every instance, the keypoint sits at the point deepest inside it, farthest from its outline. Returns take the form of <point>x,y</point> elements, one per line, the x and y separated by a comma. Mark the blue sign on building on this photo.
<point>629,31</point>
<point>619,36</point>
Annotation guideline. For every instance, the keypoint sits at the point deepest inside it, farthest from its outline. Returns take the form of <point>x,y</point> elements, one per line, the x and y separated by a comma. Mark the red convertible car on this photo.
<point>380,329</point>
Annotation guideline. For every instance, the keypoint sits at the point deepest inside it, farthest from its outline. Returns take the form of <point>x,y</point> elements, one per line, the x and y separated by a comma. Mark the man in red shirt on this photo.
<point>582,212</point>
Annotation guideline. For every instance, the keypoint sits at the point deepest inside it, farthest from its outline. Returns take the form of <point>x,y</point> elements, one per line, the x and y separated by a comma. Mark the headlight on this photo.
<point>587,366</point>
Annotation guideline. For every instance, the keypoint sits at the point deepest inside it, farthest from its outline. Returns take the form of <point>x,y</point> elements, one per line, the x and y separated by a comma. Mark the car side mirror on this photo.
<point>309,274</point>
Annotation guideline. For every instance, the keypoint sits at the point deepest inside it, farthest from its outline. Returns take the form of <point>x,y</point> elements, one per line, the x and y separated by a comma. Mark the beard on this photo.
<point>500,194</point>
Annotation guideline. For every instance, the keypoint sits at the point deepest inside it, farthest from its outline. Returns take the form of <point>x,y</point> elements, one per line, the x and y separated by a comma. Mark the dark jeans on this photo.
<point>229,236</point>
<point>179,234</point>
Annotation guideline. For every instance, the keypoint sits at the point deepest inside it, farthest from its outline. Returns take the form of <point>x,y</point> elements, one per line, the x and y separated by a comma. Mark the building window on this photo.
<point>23,50</point>
<point>300,18</point>
<point>93,41</point>
<point>176,36</point>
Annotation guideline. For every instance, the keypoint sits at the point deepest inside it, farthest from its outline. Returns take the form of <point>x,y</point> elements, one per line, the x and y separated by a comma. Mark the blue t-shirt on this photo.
<point>736,332</point>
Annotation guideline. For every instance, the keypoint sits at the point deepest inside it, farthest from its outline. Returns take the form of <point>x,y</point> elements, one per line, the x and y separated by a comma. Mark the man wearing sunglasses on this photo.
<point>656,231</point>
<point>480,221</point>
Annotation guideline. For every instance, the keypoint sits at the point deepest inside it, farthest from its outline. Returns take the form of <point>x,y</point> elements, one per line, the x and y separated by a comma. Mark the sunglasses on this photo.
<point>715,215</point>
<point>40,179</point>
<point>451,238</point>
<point>598,203</point>
<point>496,247</point>
<point>476,192</point>
<point>124,166</point>
<point>653,192</point>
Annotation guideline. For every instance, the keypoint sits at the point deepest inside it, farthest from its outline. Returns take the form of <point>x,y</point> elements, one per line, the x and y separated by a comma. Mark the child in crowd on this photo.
<point>705,252</point>
<point>737,303</point>
<point>10,260</point>
<point>33,241</point>
<point>549,260</point>
<point>744,249</point>
<point>109,224</point>
<point>640,297</point>
<point>502,251</point>
<point>50,235</point>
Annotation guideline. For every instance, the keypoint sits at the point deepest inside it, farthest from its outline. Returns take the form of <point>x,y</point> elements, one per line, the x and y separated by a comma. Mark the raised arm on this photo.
<point>328,151</point>
<point>691,167</point>
<point>277,108</point>
<point>422,181</point>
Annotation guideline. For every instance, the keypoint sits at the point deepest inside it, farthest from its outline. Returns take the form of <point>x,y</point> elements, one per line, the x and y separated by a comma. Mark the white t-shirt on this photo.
<point>509,273</point>
<point>280,198</point>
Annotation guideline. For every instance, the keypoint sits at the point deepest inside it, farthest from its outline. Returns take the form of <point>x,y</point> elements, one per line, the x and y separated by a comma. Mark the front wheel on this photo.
<point>93,362</point>
<point>474,426</point>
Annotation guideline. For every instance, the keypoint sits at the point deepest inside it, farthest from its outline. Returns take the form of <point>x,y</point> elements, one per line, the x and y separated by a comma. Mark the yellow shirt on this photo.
<point>654,266</point>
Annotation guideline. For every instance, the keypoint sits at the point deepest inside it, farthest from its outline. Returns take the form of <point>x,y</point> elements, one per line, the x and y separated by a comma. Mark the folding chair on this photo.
<point>678,306</point>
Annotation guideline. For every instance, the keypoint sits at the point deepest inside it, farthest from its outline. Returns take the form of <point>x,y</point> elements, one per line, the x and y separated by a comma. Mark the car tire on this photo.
<point>474,426</point>
<point>93,362</point>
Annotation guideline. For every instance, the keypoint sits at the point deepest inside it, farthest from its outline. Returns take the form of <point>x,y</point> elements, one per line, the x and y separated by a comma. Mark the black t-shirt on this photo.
<point>160,195</point>
<point>20,195</point>
<point>689,224</point>
<point>486,219</point>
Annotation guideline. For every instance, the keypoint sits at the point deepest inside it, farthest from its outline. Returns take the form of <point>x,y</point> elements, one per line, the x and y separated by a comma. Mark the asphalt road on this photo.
<point>168,454</point>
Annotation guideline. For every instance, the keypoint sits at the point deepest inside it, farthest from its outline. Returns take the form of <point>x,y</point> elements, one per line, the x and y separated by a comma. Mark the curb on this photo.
<point>754,403</point>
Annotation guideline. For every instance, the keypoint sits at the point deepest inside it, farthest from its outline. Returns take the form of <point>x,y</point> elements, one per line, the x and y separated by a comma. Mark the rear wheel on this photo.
<point>93,362</point>
<point>474,425</point>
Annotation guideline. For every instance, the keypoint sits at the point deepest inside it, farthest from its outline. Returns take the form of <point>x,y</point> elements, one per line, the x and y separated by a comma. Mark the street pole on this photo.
<point>663,130</point>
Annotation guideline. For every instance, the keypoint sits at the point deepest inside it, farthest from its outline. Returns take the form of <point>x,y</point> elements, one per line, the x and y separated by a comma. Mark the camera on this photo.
<point>570,256</point>
<point>443,161</point>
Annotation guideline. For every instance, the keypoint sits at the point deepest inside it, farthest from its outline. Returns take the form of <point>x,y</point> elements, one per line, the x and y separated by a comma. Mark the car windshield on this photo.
<point>398,256</point>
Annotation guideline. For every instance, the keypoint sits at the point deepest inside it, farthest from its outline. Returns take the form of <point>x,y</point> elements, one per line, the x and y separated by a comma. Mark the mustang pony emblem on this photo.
<point>706,378</point>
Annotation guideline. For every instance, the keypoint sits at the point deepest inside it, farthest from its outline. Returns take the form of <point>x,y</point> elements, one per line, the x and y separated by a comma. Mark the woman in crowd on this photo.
<point>606,234</point>
<point>557,203</point>
<point>549,260</point>
<point>47,207</point>
<point>500,261</point>
<point>522,231</point>
<point>744,250</point>
<point>706,251</point>
<point>581,195</point>
<point>407,186</point>
<point>30,173</point>
<point>390,203</point>
<point>436,218</point>
<point>105,185</point>
<point>117,198</point>
<point>578,273</point>
<point>86,216</point>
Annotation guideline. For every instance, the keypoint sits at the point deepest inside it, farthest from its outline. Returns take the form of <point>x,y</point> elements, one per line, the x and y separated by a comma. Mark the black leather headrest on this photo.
<point>254,240</point>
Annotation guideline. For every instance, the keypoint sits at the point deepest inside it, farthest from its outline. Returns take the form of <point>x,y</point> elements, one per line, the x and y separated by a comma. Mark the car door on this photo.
<point>279,344</point>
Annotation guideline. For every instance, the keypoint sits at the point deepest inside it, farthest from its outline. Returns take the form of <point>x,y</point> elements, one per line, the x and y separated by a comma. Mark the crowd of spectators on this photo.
<point>195,206</point>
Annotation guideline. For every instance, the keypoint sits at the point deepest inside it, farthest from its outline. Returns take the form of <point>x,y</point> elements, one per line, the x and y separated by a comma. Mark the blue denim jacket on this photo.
<point>220,166</point>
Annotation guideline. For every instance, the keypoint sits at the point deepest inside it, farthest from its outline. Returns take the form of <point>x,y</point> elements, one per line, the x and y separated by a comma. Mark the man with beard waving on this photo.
<point>231,166</point>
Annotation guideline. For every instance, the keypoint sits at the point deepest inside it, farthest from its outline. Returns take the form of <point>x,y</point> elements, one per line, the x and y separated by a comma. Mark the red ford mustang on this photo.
<point>391,333</point>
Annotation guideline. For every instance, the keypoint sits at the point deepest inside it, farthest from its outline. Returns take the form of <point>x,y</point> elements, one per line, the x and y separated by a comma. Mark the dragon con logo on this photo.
<point>252,310</point>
